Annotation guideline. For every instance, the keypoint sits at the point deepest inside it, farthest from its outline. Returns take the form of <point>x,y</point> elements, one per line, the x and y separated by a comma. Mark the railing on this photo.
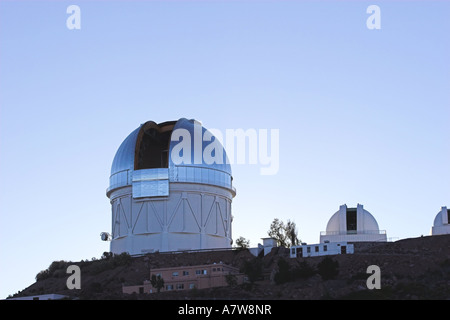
<point>345,232</point>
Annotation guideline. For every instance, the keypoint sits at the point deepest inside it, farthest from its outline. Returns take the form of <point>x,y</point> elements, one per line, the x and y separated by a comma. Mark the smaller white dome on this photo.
<point>442,218</point>
<point>441,224</point>
<point>364,220</point>
<point>352,224</point>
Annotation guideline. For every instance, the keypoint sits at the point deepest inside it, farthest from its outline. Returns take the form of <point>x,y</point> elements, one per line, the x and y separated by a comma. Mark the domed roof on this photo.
<point>442,218</point>
<point>363,220</point>
<point>124,158</point>
<point>151,146</point>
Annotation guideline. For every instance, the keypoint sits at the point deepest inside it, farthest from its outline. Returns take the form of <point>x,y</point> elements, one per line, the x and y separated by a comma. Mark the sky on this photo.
<point>363,114</point>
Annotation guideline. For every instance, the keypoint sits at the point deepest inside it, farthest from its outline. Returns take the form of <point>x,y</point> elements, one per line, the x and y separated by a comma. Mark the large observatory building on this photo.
<point>160,203</point>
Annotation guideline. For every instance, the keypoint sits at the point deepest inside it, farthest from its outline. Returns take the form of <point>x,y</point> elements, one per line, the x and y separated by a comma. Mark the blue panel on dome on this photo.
<point>151,183</point>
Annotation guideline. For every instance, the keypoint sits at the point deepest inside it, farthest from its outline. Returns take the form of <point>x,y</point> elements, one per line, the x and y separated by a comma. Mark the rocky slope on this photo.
<point>415,268</point>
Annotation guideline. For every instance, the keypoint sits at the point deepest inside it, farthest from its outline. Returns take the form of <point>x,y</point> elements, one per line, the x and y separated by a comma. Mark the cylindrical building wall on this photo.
<point>191,217</point>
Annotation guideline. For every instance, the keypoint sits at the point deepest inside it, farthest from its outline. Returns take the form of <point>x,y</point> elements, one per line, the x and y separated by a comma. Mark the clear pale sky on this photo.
<point>363,115</point>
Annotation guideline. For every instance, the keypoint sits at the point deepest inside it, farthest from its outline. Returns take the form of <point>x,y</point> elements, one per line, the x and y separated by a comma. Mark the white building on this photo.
<point>321,249</point>
<point>50,296</point>
<point>352,225</point>
<point>160,203</point>
<point>267,246</point>
<point>441,223</point>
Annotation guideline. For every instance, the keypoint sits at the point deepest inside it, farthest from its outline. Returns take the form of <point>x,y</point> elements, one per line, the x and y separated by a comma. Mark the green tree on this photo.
<point>231,280</point>
<point>157,282</point>
<point>253,269</point>
<point>284,274</point>
<point>242,243</point>
<point>277,231</point>
<point>291,233</point>
<point>285,234</point>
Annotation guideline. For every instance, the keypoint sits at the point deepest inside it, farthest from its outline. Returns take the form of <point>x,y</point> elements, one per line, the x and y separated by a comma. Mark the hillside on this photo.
<point>415,268</point>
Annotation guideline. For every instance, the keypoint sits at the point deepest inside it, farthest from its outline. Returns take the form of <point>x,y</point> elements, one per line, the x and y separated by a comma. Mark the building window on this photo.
<point>180,286</point>
<point>325,248</point>
<point>293,251</point>
<point>199,272</point>
<point>191,285</point>
<point>316,249</point>
<point>169,287</point>
<point>175,274</point>
<point>308,249</point>
<point>214,270</point>
<point>185,273</point>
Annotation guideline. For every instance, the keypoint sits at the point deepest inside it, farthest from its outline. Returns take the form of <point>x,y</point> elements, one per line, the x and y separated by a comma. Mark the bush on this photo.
<point>109,261</point>
<point>303,271</point>
<point>283,275</point>
<point>56,269</point>
<point>253,269</point>
<point>328,268</point>
<point>231,280</point>
<point>42,275</point>
<point>122,259</point>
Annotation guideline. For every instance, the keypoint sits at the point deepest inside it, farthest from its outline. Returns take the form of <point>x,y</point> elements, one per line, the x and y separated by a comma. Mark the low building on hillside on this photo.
<point>190,277</point>
<point>266,247</point>
<point>50,296</point>
<point>321,249</point>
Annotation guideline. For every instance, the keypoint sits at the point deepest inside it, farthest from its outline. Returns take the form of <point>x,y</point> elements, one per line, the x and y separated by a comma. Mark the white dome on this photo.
<point>442,218</point>
<point>352,224</point>
<point>441,224</point>
<point>367,221</point>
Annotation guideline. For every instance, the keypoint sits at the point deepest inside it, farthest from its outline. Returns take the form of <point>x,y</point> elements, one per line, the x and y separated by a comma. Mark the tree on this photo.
<point>242,243</point>
<point>284,273</point>
<point>328,268</point>
<point>157,282</point>
<point>291,233</point>
<point>277,231</point>
<point>231,280</point>
<point>285,234</point>
<point>253,269</point>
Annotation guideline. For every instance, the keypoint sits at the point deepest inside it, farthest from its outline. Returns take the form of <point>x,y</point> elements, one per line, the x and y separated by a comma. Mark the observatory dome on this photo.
<point>441,224</point>
<point>352,224</point>
<point>170,189</point>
